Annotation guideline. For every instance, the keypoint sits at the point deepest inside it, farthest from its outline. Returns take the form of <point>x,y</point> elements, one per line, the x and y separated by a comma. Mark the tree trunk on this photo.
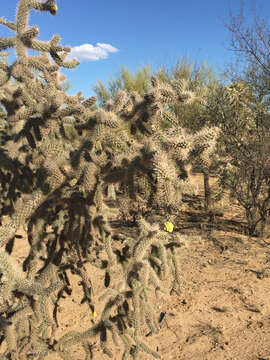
<point>252,220</point>
<point>207,190</point>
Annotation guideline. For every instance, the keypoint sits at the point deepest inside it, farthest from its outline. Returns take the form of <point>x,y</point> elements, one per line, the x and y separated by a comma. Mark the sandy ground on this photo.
<point>224,308</point>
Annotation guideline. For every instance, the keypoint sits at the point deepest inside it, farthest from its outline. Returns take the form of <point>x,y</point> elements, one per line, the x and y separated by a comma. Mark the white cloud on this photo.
<point>89,52</point>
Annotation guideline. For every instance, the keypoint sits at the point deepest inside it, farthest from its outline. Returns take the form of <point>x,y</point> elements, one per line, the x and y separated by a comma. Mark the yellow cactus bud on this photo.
<point>53,9</point>
<point>168,226</point>
<point>73,182</point>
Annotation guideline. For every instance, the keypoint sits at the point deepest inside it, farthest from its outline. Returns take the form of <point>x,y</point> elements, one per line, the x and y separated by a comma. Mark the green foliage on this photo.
<point>185,77</point>
<point>131,82</point>
<point>199,79</point>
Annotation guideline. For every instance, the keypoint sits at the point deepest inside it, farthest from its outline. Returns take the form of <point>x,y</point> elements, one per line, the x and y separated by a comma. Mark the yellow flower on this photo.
<point>168,226</point>
<point>53,9</point>
<point>94,313</point>
<point>73,182</point>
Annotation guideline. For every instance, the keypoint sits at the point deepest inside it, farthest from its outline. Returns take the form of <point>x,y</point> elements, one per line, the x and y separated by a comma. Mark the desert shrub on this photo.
<point>241,113</point>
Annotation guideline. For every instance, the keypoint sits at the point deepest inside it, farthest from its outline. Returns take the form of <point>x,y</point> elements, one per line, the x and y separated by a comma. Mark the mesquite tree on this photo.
<point>242,116</point>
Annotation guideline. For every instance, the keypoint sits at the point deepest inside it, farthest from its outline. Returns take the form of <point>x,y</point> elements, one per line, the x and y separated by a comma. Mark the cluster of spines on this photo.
<point>78,150</point>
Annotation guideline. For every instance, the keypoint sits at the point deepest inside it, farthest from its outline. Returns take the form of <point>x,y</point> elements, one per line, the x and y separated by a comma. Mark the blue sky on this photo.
<point>106,34</point>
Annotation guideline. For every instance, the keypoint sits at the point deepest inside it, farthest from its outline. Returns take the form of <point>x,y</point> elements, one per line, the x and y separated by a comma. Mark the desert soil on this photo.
<point>223,311</point>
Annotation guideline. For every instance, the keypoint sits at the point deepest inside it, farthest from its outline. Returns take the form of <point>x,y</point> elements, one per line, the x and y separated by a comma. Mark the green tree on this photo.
<point>185,77</point>
<point>125,80</point>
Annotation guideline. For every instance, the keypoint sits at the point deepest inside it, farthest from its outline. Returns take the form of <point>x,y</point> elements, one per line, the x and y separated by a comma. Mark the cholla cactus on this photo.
<point>203,157</point>
<point>59,156</point>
